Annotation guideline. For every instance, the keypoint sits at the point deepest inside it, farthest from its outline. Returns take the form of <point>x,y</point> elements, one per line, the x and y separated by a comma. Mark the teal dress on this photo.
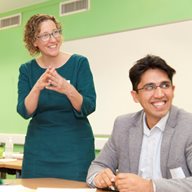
<point>59,141</point>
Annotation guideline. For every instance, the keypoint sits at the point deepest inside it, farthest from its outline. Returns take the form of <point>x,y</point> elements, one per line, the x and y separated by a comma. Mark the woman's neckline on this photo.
<point>63,64</point>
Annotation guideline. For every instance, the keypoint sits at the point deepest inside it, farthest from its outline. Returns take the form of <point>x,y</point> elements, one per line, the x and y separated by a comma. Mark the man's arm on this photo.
<point>107,159</point>
<point>179,184</point>
<point>174,185</point>
<point>132,182</point>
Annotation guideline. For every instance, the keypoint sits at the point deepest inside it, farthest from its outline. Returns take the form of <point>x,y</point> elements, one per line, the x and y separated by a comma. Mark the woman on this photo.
<point>56,90</point>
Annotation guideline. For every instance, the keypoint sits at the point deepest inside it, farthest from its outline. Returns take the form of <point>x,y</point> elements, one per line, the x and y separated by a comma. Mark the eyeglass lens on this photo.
<point>47,36</point>
<point>153,86</point>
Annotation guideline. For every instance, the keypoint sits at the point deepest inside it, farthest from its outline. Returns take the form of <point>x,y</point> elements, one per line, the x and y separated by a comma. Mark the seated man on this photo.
<point>151,149</point>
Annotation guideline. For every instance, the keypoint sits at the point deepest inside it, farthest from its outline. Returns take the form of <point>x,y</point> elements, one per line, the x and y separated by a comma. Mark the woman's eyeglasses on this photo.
<point>46,36</point>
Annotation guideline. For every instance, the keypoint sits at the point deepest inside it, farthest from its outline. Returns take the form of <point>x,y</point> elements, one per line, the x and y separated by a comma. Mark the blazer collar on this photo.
<point>135,142</point>
<point>167,138</point>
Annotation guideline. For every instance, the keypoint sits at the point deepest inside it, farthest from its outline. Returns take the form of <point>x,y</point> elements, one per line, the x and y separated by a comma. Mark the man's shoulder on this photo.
<point>125,123</point>
<point>179,113</point>
<point>181,120</point>
<point>129,118</point>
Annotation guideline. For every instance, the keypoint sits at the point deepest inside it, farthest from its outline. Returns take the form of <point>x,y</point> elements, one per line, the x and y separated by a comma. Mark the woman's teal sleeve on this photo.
<point>23,90</point>
<point>85,86</point>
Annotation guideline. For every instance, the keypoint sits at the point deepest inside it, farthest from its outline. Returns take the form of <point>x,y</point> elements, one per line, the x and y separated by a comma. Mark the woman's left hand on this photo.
<point>57,82</point>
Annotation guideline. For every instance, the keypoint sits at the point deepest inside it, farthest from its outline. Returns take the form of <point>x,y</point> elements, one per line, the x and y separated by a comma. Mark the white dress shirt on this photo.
<point>149,164</point>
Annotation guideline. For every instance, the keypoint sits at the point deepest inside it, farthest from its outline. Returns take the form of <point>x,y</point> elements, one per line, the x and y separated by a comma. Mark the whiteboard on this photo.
<point>112,55</point>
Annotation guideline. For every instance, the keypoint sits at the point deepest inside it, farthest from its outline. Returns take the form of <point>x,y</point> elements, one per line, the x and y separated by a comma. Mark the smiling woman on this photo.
<point>56,90</point>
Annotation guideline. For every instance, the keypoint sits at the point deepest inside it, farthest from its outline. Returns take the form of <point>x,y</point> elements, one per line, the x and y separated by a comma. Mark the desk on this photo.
<point>11,167</point>
<point>48,182</point>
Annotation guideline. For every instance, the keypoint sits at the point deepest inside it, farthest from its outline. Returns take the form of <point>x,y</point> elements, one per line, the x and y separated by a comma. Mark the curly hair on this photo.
<point>32,28</point>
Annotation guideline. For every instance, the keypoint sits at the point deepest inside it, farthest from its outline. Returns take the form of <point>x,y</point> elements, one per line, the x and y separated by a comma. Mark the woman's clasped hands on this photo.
<point>51,80</point>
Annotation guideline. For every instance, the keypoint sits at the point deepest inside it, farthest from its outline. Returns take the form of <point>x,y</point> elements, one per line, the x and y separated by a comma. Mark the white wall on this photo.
<point>112,55</point>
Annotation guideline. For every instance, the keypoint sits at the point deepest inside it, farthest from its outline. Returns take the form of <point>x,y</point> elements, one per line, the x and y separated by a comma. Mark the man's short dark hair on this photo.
<point>146,63</point>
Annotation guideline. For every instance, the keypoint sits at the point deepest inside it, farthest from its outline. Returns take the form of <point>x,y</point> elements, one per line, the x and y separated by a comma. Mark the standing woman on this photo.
<point>56,90</point>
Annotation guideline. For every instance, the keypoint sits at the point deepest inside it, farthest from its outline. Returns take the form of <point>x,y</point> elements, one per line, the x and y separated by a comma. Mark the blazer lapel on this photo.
<point>165,147</point>
<point>166,140</point>
<point>135,143</point>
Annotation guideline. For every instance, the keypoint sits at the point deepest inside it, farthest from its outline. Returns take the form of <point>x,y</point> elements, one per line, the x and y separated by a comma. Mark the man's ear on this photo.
<point>135,96</point>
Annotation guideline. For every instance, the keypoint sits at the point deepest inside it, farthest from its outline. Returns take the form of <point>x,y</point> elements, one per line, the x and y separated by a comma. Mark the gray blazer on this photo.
<point>122,151</point>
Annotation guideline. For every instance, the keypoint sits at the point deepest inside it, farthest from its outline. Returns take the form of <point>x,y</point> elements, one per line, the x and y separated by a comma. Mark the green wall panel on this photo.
<point>104,16</point>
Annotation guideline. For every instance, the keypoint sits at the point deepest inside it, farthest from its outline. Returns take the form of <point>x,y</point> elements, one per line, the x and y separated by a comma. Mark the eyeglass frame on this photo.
<point>154,86</point>
<point>58,31</point>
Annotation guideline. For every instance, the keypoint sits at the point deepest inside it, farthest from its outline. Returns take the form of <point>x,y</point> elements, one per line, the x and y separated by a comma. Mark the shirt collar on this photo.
<point>160,125</point>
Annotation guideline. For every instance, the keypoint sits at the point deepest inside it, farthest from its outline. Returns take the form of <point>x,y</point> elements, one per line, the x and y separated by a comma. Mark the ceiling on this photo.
<point>10,5</point>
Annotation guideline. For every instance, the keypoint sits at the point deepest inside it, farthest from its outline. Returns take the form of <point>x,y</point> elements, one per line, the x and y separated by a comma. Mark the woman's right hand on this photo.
<point>31,101</point>
<point>43,81</point>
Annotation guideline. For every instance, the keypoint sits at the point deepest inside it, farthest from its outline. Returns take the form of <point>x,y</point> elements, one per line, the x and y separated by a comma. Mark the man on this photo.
<point>150,150</point>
